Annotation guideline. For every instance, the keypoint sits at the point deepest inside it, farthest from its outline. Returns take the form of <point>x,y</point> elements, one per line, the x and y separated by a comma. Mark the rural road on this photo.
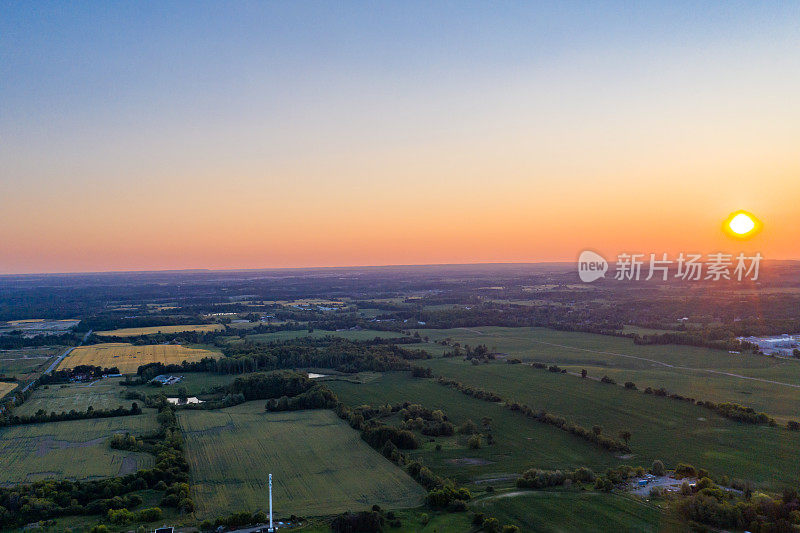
<point>66,353</point>
<point>654,361</point>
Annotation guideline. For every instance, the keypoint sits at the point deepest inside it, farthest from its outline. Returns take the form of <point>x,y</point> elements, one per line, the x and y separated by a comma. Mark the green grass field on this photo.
<point>75,449</point>
<point>662,428</point>
<point>764,383</point>
<point>103,394</point>
<point>319,464</point>
<point>520,443</point>
<point>562,511</point>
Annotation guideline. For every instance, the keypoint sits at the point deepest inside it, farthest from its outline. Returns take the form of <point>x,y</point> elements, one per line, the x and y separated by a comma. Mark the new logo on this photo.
<point>591,266</point>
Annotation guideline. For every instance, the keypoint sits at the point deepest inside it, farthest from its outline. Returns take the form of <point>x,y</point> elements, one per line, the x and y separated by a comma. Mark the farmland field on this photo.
<point>128,358</point>
<point>25,361</point>
<point>6,387</point>
<point>520,443</point>
<point>103,394</point>
<point>562,511</point>
<point>133,332</point>
<point>75,449</point>
<point>760,453</point>
<point>764,383</point>
<point>319,464</point>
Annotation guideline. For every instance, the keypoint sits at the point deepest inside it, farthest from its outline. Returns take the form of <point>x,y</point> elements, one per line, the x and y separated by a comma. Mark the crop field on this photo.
<point>763,383</point>
<point>6,387</point>
<point>520,443</point>
<point>102,394</point>
<point>562,511</point>
<point>20,363</point>
<point>739,450</point>
<point>319,464</point>
<point>134,332</point>
<point>128,358</point>
<point>75,449</point>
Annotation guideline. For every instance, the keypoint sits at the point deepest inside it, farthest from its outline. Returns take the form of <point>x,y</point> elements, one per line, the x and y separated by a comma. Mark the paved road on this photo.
<point>59,359</point>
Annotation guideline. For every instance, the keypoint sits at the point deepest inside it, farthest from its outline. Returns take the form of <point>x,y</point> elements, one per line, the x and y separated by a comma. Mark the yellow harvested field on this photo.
<point>6,387</point>
<point>128,358</point>
<point>133,332</point>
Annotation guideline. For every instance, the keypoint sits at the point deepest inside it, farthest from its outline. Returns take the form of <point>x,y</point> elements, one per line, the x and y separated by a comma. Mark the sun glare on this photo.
<point>742,224</point>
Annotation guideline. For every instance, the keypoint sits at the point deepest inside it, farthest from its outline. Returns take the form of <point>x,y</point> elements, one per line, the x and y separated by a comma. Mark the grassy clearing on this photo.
<point>134,332</point>
<point>520,443</point>
<point>75,449</point>
<point>561,511</point>
<point>319,464</point>
<point>662,428</point>
<point>695,372</point>
<point>128,358</point>
<point>103,394</point>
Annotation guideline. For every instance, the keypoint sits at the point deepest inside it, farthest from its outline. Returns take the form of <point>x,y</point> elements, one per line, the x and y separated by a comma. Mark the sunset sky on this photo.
<point>145,135</point>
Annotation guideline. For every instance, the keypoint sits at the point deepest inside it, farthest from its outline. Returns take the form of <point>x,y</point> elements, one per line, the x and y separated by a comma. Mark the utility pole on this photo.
<point>271,529</point>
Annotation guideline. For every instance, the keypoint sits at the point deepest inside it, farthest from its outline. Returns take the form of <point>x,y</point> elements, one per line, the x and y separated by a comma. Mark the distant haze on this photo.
<point>146,136</point>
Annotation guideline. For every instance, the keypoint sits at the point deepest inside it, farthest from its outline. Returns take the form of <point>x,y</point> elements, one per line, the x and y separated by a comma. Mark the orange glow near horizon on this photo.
<point>245,137</point>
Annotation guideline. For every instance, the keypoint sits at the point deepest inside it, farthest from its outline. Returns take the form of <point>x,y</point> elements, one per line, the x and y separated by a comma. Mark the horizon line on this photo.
<point>298,268</point>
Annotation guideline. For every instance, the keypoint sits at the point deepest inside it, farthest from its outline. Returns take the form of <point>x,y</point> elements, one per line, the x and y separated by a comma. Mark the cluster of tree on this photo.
<point>126,442</point>
<point>707,503</point>
<point>492,525</point>
<point>733,411</point>
<point>740,413</point>
<point>327,352</point>
<point>594,435</point>
<point>14,340</point>
<point>41,416</point>
<point>239,519</point>
<point>421,372</point>
<point>385,442</point>
<point>377,435</point>
<point>80,371</point>
<point>318,397</point>
<point>45,500</point>
<point>541,479</point>
<point>433,423</point>
<point>361,522</point>
<point>480,394</point>
<point>694,338</point>
<point>267,385</point>
<point>448,497</point>
<point>125,516</point>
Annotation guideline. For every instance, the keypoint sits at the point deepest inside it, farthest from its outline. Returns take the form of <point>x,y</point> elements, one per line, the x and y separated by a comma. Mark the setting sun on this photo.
<point>742,224</point>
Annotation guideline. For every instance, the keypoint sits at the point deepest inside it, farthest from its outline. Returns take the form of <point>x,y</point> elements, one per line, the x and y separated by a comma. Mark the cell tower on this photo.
<point>271,529</point>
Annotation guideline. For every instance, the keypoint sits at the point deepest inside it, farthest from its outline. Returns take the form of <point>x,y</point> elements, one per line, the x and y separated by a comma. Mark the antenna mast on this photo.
<point>271,529</point>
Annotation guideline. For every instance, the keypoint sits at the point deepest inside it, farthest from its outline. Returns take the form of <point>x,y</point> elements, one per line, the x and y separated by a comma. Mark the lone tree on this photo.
<point>625,435</point>
<point>583,373</point>
<point>658,468</point>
